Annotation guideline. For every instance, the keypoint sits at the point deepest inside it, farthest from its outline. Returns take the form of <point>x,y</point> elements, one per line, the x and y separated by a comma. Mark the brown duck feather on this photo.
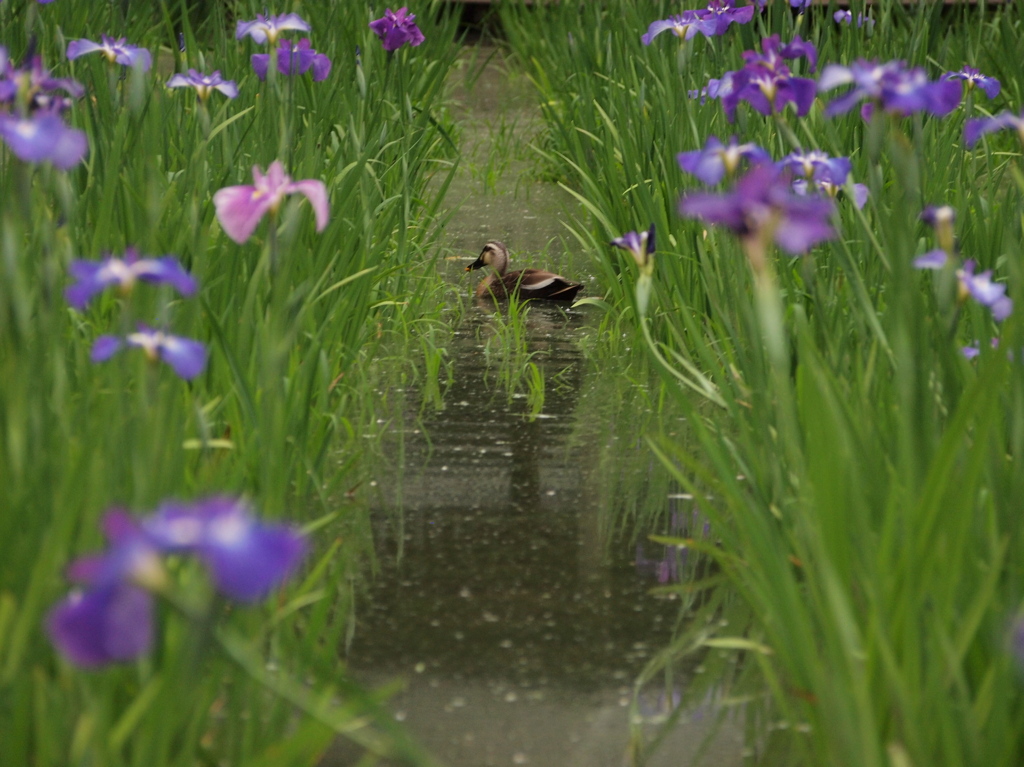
<point>524,284</point>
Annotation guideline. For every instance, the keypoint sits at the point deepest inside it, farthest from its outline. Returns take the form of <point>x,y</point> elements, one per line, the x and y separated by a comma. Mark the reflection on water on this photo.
<point>511,597</point>
<point>503,569</point>
<point>517,624</point>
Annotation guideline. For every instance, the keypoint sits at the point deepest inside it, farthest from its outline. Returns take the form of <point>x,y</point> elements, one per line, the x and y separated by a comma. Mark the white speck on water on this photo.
<point>520,758</point>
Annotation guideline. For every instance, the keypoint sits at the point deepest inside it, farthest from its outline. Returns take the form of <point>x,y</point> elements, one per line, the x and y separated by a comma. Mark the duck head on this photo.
<point>494,254</point>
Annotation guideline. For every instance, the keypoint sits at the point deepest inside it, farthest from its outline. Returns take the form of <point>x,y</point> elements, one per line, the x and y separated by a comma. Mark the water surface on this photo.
<point>509,596</point>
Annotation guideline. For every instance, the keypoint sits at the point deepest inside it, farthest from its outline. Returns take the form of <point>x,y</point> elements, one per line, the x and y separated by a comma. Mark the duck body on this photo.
<point>526,284</point>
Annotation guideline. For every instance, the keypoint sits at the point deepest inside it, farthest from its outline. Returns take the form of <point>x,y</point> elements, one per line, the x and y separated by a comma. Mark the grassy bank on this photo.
<point>290,318</point>
<point>859,470</point>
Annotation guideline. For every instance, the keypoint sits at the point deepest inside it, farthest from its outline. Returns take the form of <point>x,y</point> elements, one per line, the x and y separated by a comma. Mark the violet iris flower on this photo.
<point>803,186</point>
<point>815,169</point>
<point>941,218</point>
<point>817,165</point>
<point>396,28</point>
<point>92,277</point>
<point>186,356</point>
<point>987,293</point>
<point>938,215</point>
<point>117,51</point>
<point>684,25</point>
<point>32,88</point>
<point>640,245</point>
<point>980,287</point>
<point>972,78</point>
<point>246,558</point>
<point>293,59</point>
<point>717,160</point>
<point>711,21</point>
<point>43,137</point>
<point>204,84</point>
<point>762,204</point>
<point>112,619</point>
<point>894,86</point>
<point>709,91</point>
<point>724,13</point>
<point>846,17</point>
<point>767,83</point>
<point>240,208</point>
<point>266,29</point>
<point>972,351</point>
<point>979,126</point>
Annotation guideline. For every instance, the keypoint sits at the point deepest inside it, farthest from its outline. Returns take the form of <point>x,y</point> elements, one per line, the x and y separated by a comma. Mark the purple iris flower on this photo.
<point>204,84</point>
<point>640,245</point>
<point>978,127</point>
<point>240,208</point>
<point>827,175</point>
<point>717,160</point>
<point>933,259</point>
<point>817,165</point>
<point>723,13</point>
<point>894,86</point>
<point>767,83</point>
<point>396,28</point>
<point>970,352</point>
<point>709,91</point>
<point>246,558</point>
<point>987,293</point>
<point>117,51</point>
<point>186,356</point>
<point>938,215</point>
<point>973,78</point>
<point>43,137</point>
<point>941,218</point>
<point>92,277</point>
<point>684,26</point>
<point>846,17</point>
<point>112,619</point>
<point>266,29</point>
<point>32,88</point>
<point>762,204</point>
<point>803,186</point>
<point>293,59</point>
<point>711,21</point>
<point>980,287</point>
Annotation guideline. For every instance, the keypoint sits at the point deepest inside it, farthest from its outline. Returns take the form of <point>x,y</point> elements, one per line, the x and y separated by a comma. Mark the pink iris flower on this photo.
<point>240,208</point>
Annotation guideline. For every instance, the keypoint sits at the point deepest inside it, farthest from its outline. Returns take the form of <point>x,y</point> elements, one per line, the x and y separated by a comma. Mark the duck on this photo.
<point>525,284</point>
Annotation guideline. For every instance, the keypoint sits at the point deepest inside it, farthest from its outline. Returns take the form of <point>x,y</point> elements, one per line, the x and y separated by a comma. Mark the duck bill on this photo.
<point>478,264</point>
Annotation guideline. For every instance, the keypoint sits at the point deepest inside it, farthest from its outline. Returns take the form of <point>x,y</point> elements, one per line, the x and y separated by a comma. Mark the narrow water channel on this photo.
<point>511,597</point>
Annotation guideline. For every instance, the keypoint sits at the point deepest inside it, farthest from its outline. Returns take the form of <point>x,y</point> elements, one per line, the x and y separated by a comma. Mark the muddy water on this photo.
<point>510,596</point>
